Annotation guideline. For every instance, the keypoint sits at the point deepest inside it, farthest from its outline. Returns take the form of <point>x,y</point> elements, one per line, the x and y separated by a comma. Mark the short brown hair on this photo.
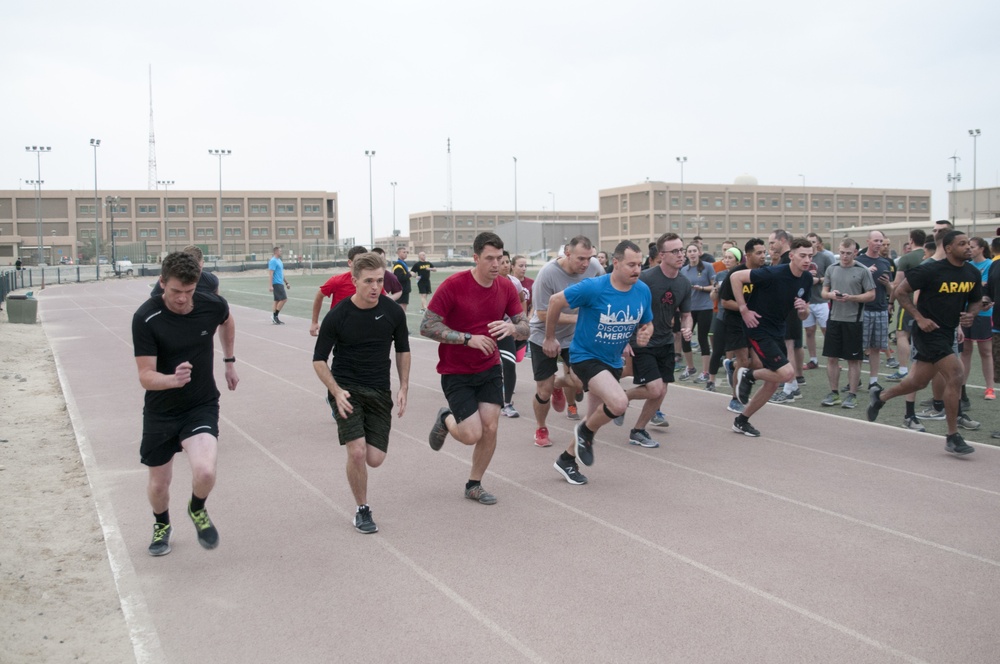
<point>195,251</point>
<point>367,261</point>
<point>181,266</point>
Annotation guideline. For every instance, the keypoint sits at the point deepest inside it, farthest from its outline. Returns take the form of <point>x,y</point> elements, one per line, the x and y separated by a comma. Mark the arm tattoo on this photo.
<point>433,327</point>
<point>521,330</point>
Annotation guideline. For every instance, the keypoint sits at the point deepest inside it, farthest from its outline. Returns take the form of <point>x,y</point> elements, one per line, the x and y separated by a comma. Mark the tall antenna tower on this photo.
<point>151,180</point>
<point>451,211</point>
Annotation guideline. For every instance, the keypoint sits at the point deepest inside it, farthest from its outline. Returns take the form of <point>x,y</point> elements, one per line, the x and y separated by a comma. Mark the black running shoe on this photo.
<point>571,472</point>
<point>745,428</point>
<point>160,546</point>
<point>363,521</point>
<point>957,445</point>
<point>744,383</point>
<point>584,447</point>
<point>208,536</point>
<point>874,403</point>
<point>439,431</point>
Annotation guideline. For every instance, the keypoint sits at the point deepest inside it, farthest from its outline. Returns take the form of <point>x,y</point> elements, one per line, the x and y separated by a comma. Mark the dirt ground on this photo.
<point>57,593</point>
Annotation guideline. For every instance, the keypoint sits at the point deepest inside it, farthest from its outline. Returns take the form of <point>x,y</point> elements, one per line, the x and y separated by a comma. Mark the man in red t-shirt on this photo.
<point>466,318</point>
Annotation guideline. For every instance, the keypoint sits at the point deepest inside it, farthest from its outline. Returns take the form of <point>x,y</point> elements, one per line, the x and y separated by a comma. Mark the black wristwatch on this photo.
<point>468,338</point>
<point>229,360</point>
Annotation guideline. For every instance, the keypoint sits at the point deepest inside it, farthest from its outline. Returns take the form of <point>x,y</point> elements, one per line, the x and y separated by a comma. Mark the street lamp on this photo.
<point>220,154</point>
<point>37,186</point>
<point>371,209</point>
<point>394,234</point>
<point>974,133</point>
<point>112,202</point>
<point>954,178</point>
<point>96,143</point>
<point>38,150</point>
<point>516,224</point>
<point>681,161</point>
<point>166,210</point>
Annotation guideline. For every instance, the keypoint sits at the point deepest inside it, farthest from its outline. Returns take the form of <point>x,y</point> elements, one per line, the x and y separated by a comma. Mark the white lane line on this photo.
<point>437,583</point>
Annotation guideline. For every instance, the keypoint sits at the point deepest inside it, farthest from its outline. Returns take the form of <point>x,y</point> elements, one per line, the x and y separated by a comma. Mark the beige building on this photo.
<point>450,233</point>
<point>745,209</point>
<point>986,206</point>
<point>148,223</point>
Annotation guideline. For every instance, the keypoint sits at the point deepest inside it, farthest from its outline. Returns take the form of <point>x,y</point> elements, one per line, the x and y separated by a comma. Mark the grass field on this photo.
<point>251,291</point>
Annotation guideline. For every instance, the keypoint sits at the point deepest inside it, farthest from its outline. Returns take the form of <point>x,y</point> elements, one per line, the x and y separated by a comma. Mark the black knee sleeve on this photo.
<point>540,400</point>
<point>609,413</point>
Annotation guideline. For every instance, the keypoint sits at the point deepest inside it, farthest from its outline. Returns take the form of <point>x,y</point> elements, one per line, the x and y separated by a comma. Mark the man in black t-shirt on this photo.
<point>361,329</point>
<point>401,271</point>
<point>754,256</point>
<point>950,294</point>
<point>423,268</point>
<point>172,340</point>
<point>207,282</point>
<point>778,289</point>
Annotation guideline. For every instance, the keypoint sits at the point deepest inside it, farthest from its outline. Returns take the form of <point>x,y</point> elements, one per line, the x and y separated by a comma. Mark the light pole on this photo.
<point>954,178</point>
<point>394,234</point>
<point>37,186</point>
<point>220,154</point>
<point>38,150</point>
<point>371,209</point>
<point>112,202</point>
<point>974,133</point>
<point>516,224</point>
<point>555,218</point>
<point>96,143</point>
<point>681,161</point>
<point>166,211</point>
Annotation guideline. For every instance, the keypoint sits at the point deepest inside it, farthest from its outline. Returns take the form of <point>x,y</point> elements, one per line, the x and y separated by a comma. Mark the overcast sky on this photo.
<point>586,96</point>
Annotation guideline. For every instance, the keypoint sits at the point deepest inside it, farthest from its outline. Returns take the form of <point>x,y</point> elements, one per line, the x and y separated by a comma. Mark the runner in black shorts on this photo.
<point>776,290</point>
<point>950,295</point>
<point>172,337</point>
<point>754,256</point>
<point>362,328</point>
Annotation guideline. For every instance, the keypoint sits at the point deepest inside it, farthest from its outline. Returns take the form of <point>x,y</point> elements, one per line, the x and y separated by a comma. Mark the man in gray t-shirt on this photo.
<point>819,309</point>
<point>848,285</point>
<point>572,267</point>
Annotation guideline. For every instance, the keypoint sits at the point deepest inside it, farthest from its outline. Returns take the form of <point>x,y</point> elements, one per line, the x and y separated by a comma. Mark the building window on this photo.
<point>674,201</point>
<point>747,203</point>
<point>182,232</point>
<point>900,205</point>
<point>746,225</point>
<point>154,232</point>
<point>232,209</point>
<point>286,208</point>
<point>675,226</point>
<point>878,205</point>
<point>177,209</point>
<point>718,202</point>
<point>788,204</point>
<point>229,232</point>
<point>204,209</point>
<point>238,232</point>
<point>624,205</point>
<point>254,232</point>
<point>864,204</point>
<point>913,205</point>
<point>923,206</point>
<point>148,209</point>
<point>119,209</point>
<point>774,202</point>
<point>143,233</point>
<point>281,231</point>
<point>761,203</point>
<point>733,202</point>
<point>310,208</point>
<point>802,204</point>
<point>260,208</point>
<point>201,232</point>
<point>704,202</point>
<point>688,201</point>
<point>854,205</point>
<point>88,209</point>
<point>826,204</point>
<point>840,205</point>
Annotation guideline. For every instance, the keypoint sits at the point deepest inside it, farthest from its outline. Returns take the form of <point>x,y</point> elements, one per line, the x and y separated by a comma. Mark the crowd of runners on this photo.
<point>587,321</point>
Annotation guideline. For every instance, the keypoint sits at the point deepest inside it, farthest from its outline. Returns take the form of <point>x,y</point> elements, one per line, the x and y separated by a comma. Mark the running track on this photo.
<point>826,540</point>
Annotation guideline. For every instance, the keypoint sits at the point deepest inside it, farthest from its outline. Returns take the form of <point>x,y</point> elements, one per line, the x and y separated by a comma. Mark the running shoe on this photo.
<point>571,472</point>
<point>730,366</point>
<point>744,383</point>
<point>439,431</point>
<point>208,536</point>
<point>967,422</point>
<point>571,412</point>
<point>620,420</point>
<point>892,363</point>
<point>832,399</point>
<point>745,428</point>
<point>930,413</point>
<point>363,522</point>
<point>558,400</point>
<point>274,319</point>
<point>480,495</point>
<point>702,378</point>
<point>850,401</point>
<point>874,403</point>
<point>659,420</point>
<point>542,437</point>
<point>955,444</point>
<point>509,411</point>
<point>641,438</point>
<point>781,397</point>
<point>735,406</point>
<point>796,394</point>
<point>895,377</point>
<point>965,404</point>
<point>710,386</point>
<point>689,373</point>
<point>990,394</point>
<point>810,365</point>
<point>927,403</point>
<point>801,380</point>
<point>872,386</point>
<point>995,434</point>
<point>160,546</point>
<point>913,424</point>
<point>584,447</point>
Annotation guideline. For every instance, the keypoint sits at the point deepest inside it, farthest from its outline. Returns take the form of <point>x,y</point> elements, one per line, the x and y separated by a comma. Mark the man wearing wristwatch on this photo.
<point>466,318</point>
<point>172,336</point>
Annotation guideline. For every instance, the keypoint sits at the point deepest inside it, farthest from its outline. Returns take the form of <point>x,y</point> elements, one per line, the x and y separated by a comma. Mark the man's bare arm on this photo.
<point>432,326</point>
<point>521,329</point>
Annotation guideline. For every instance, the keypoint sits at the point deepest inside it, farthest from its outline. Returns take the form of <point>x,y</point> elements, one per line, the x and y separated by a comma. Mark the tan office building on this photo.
<point>745,209</point>
<point>148,223</point>
<point>450,233</point>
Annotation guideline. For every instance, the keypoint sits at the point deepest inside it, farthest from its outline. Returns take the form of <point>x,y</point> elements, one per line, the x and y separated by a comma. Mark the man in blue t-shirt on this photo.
<point>276,274</point>
<point>777,290</point>
<point>610,309</point>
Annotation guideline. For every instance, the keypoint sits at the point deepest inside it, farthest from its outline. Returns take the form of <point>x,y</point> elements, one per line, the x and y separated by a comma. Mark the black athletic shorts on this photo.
<point>371,418</point>
<point>465,392</point>
<point>793,328</point>
<point>424,287</point>
<point>736,336</point>
<point>770,350</point>
<point>544,367</point>
<point>162,435</point>
<point>405,297</point>
<point>932,346</point>
<point>844,340</point>
<point>589,368</point>
<point>648,364</point>
<point>980,330</point>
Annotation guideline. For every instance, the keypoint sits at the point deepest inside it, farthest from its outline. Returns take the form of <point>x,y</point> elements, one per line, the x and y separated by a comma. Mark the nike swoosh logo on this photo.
<point>377,317</point>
